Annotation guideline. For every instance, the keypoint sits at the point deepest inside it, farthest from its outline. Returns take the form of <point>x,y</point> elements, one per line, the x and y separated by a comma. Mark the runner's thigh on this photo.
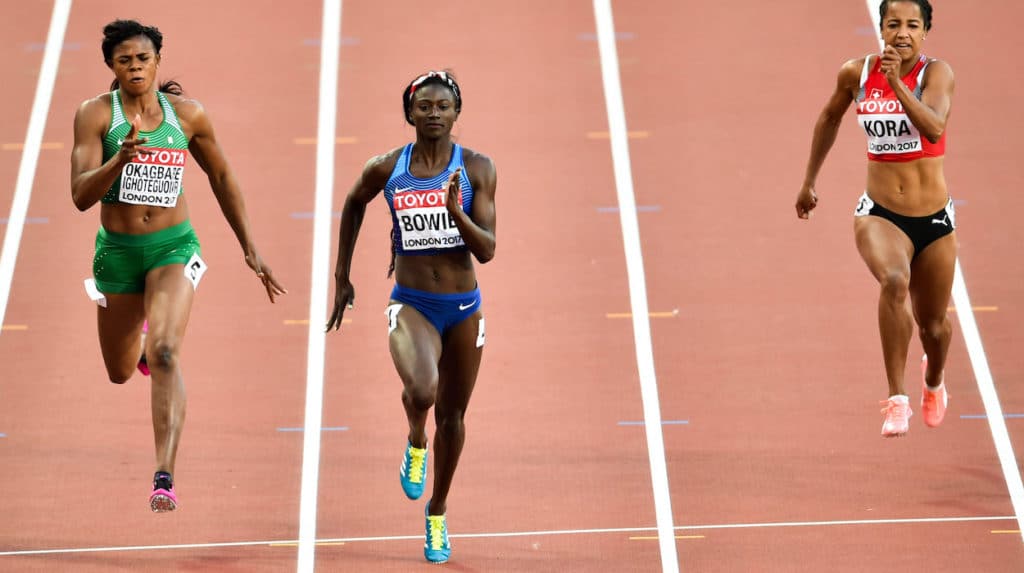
<point>169,295</point>
<point>931,278</point>
<point>120,328</point>
<point>414,343</point>
<point>883,246</point>
<point>460,362</point>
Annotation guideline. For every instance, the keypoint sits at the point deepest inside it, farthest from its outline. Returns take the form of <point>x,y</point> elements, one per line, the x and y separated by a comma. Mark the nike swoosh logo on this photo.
<point>465,306</point>
<point>403,189</point>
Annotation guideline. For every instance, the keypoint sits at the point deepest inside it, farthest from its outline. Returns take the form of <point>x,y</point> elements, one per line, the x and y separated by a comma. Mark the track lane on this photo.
<point>774,347</point>
<point>78,431</point>
<point>22,37</point>
<point>710,350</point>
<point>543,450</point>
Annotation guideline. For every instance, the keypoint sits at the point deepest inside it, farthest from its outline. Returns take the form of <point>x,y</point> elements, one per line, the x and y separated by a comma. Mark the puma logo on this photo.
<point>942,221</point>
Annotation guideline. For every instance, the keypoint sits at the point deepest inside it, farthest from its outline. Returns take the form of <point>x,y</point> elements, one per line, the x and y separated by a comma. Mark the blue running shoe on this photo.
<point>413,471</point>
<point>437,548</point>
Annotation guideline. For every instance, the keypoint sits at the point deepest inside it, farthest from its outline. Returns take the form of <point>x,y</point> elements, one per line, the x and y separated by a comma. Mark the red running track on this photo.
<point>772,357</point>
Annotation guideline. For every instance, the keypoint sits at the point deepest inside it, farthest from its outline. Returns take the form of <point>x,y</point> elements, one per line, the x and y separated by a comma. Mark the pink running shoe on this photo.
<point>897,416</point>
<point>163,499</point>
<point>933,402</point>
<point>143,366</point>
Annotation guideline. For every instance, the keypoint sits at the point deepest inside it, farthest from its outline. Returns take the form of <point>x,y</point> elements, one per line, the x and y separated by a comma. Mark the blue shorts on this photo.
<point>442,310</point>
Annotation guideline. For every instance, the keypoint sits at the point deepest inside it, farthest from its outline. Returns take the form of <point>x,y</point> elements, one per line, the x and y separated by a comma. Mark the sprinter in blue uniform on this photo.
<point>441,197</point>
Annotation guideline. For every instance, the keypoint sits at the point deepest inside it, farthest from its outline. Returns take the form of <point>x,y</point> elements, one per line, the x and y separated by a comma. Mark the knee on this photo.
<point>163,354</point>
<point>936,329</point>
<point>895,285</point>
<point>450,421</point>
<point>120,376</point>
<point>420,394</point>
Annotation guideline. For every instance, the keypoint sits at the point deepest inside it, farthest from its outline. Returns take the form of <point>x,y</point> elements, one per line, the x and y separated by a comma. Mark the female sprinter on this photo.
<point>441,197</point>
<point>129,155</point>
<point>904,221</point>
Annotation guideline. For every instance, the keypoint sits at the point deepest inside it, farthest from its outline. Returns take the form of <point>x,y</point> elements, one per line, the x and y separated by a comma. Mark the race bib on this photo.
<point>887,126</point>
<point>424,221</point>
<point>195,268</point>
<point>864,206</point>
<point>392,312</point>
<point>154,179</point>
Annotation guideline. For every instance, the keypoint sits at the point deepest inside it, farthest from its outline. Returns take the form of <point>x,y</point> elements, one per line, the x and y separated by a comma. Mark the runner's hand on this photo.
<point>344,296</point>
<point>265,275</point>
<point>891,62</point>
<point>806,201</point>
<point>132,144</point>
<point>454,199</point>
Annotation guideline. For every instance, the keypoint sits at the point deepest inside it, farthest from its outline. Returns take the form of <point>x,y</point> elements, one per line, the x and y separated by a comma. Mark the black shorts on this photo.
<point>922,231</point>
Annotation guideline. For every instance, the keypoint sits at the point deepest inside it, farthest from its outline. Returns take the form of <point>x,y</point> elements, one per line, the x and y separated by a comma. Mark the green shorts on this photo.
<point>122,261</point>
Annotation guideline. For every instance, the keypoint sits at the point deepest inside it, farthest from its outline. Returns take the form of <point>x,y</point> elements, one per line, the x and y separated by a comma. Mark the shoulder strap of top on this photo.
<point>116,111</point>
<point>400,164</point>
<point>457,158</point>
<point>920,76</point>
<point>170,116</point>
<point>864,72</point>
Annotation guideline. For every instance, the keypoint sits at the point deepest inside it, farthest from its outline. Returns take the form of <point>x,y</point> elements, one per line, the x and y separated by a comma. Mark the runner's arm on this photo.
<point>370,182</point>
<point>929,114</point>
<point>825,131</point>
<point>830,118</point>
<point>208,154</point>
<point>478,229</point>
<point>90,176</point>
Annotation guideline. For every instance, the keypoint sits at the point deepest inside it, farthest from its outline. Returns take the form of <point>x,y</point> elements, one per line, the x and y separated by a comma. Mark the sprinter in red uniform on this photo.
<point>904,222</point>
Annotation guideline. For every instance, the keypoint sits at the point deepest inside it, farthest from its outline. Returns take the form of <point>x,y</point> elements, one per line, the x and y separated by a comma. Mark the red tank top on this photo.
<point>891,134</point>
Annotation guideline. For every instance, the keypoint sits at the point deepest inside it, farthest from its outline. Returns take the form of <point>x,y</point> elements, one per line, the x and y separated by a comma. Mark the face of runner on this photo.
<point>433,111</point>
<point>134,63</point>
<point>903,28</point>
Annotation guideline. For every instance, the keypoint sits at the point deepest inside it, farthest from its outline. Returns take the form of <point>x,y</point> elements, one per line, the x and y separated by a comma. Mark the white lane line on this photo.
<point>982,373</point>
<point>508,534</point>
<point>637,282</point>
<point>328,104</point>
<point>30,151</point>
<point>876,21</point>
<point>987,389</point>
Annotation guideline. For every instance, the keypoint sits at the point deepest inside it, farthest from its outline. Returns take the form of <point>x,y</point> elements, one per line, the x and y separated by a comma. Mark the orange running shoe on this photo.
<point>897,416</point>
<point>933,402</point>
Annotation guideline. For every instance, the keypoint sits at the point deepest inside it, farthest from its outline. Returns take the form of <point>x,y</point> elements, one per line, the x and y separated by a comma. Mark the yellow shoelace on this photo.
<point>437,527</point>
<point>416,464</point>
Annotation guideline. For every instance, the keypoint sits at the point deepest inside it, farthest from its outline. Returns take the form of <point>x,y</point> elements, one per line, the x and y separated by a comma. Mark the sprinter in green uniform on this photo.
<point>129,155</point>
